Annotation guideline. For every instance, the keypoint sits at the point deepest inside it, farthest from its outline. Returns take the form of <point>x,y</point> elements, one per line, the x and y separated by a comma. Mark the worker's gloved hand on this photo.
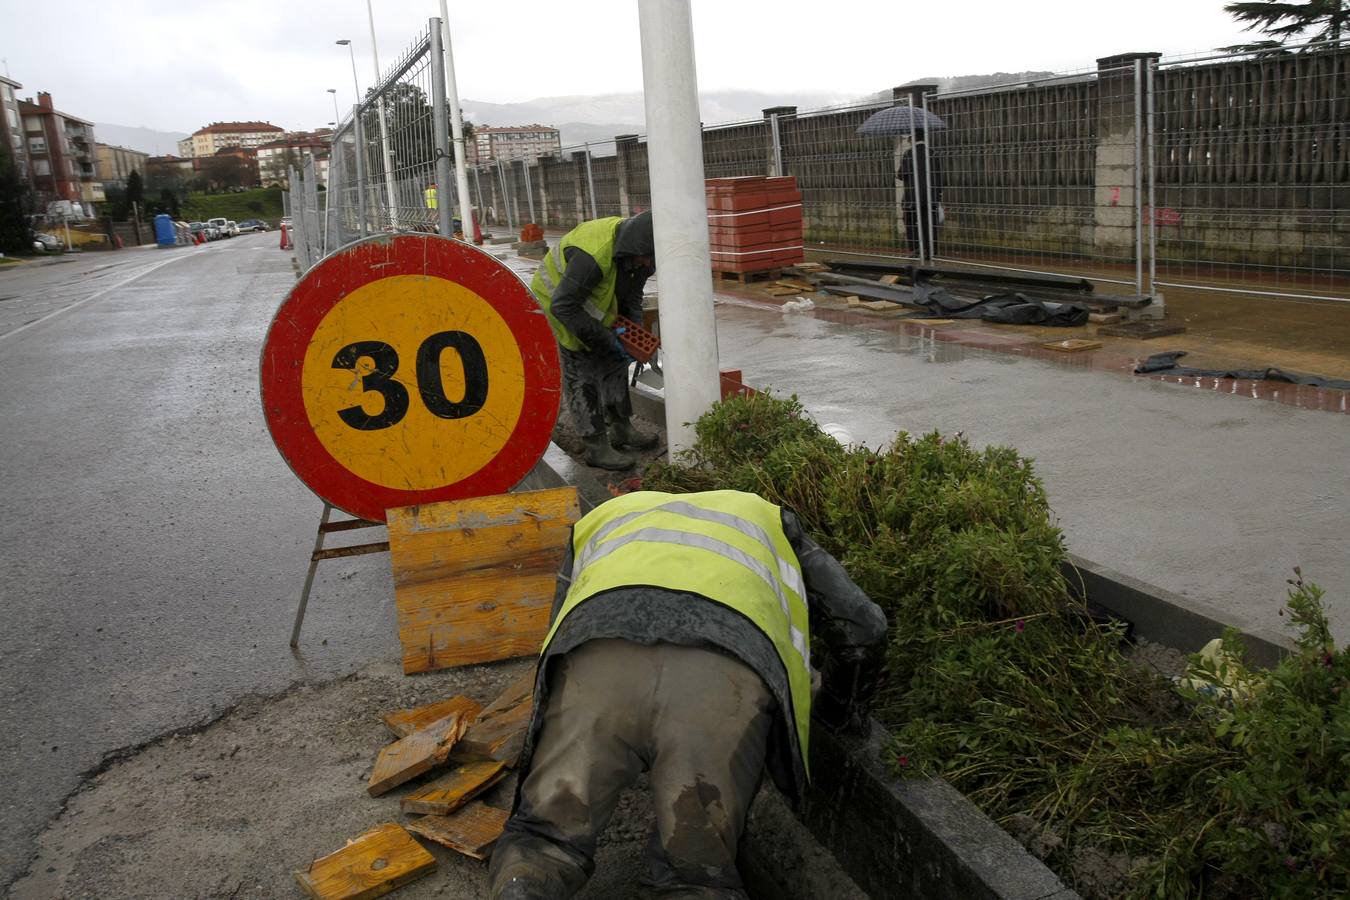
<point>849,678</point>
<point>619,347</point>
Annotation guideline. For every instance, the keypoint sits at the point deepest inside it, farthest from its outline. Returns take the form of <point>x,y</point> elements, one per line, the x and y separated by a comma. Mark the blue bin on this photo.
<point>165,235</point>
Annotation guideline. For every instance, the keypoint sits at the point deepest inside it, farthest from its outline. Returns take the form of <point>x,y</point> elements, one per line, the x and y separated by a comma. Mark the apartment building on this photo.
<point>275,156</point>
<point>11,127</point>
<point>113,164</point>
<point>219,135</point>
<point>60,156</point>
<point>516,142</point>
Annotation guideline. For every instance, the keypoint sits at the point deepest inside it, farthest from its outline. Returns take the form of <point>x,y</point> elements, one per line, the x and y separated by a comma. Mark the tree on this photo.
<point>135,188</point>
<point>1320,22</point>
<point>14,231</point>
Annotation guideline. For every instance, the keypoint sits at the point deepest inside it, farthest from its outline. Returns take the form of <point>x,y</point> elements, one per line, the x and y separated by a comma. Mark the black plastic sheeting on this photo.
<point>1007,308</point>
<point>1166,364</point>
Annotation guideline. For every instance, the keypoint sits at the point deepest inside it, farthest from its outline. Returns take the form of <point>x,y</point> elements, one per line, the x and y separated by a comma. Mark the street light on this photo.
<point>336,114</point>
<point>384,128</point>
<point>355,87</point>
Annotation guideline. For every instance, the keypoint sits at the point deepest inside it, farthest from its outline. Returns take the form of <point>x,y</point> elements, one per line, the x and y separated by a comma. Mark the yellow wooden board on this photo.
<point>499,731</point>
<point>453,789</point>
<point>419,752</point>
<point>403,722</point>
<point>371,865</point>
<point>474,579</point>
<point>1072,345</point>
<point>471,830</point>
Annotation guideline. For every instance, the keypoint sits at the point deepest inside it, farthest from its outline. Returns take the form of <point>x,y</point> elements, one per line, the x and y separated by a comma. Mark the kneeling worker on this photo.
<point>680,645</point>
<point>595,274</point>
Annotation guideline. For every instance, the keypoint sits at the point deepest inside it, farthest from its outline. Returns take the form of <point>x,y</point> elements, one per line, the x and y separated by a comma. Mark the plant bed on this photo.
<point>1000,682</point>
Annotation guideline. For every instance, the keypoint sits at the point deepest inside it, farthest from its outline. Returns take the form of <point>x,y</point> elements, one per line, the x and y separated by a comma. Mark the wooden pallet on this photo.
<point>749,277</point>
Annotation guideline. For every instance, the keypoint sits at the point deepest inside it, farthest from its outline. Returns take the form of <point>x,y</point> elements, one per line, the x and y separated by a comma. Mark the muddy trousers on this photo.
<point>595,391</point>
<point>697,720</point>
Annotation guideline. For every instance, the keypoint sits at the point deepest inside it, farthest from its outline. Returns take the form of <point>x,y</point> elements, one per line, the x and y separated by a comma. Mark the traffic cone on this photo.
<point>285,238</point>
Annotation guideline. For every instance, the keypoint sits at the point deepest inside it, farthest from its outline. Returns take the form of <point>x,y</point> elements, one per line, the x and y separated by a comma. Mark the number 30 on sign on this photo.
<point>406,370</point>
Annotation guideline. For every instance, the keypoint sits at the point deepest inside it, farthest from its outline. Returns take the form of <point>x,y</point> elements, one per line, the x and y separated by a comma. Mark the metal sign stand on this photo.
<point>320,553</point>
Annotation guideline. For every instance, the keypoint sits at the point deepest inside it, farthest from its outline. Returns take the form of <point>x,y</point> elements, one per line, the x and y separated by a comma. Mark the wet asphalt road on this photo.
<point>154,542</point>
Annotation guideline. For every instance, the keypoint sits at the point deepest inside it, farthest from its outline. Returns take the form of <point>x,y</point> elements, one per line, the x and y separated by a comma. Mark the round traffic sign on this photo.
<point>409,369</point>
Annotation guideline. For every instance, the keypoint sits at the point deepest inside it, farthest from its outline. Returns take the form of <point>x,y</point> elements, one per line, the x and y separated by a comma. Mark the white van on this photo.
<point>222,224</point>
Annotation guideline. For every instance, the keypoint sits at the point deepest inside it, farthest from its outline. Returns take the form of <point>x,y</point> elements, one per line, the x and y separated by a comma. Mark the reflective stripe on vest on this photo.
<point>726,546</point>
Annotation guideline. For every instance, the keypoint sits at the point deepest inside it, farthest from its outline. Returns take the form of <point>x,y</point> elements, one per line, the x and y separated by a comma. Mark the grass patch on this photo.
<point>998,680</point>
<point>259,203</point>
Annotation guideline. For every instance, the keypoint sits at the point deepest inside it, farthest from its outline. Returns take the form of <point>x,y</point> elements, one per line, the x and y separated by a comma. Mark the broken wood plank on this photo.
<point>453,789</point>
<point>1105,318</point>
<point>474,578</point>
<point>782,291</point>
<point>880,305</point>
<point>499,731</point>
<point>371,865</point>
<point>795,285</point>
<point>403,722</point>
<point>889,279</point>
<point>419,752</point>
<point>471,830</point>
<point>853,301</point>
<point>1072,345</point>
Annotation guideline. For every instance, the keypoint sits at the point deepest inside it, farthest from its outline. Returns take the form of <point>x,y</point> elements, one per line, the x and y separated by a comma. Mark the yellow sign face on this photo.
<point>412,382</point>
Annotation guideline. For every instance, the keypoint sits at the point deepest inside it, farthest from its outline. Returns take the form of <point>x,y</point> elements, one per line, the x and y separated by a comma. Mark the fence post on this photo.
<point>312,211</point>
<point>478,190</point>
<point>543,161</point>
<point>1156,308</point>
<point>1117,204</point>
<point>623,145</point>
<point>441,129</point>
<point>590,181</point>
<point>529,189</point>
<point>579,160</point>
<point>774,155</point>
<point>507,197</point>
<point>359,133</point>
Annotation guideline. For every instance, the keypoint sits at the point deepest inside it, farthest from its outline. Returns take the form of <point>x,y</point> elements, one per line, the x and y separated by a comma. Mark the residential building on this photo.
<point>60,157</point>
<point>11,127</point>
<point>275,157</point>
<point>114,164</point>
<point>218,135</point>
<point>516,142</point>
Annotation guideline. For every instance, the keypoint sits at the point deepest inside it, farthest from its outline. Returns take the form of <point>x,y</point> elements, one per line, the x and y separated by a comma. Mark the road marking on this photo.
<point>94,296</point>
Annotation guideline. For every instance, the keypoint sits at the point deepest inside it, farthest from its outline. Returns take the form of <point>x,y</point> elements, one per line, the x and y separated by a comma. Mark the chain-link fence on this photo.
<point>1230,171</point>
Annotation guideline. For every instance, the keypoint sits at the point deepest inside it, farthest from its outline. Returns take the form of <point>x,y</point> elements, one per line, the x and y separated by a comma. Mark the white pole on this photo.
<point>675,149</point>
<point>456,129</point>
<point>384,129</point>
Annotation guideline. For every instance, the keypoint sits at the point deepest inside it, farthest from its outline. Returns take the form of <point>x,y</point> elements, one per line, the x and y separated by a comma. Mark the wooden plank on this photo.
<point>853,302</point>
<point>453,789</point>
<point>777,291</point>
<point>1072,345</point>
<point>499,732</point>
<point>419,752</point>
<point>880,305</point>
<point>795,285</point>
<point>371,865</point>
<point>889,279</point>
<point>403,722</point>
<point>474,579</point>
<point>471,830</point>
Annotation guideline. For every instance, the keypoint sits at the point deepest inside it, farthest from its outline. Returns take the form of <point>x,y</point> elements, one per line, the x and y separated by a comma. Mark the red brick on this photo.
<point>750,219</point>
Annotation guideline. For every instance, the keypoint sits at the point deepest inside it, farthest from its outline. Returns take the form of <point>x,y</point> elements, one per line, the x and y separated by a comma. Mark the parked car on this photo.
<point>46,243</point>
<point>285,222</point>
<point>198,228</point>
<point>222,225</point>
<point>232,228</point>
<point>252,225</point>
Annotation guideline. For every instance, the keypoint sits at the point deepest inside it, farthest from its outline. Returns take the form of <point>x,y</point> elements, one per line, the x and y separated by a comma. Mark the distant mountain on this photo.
<point>146,140</point>
<point>601,117</point>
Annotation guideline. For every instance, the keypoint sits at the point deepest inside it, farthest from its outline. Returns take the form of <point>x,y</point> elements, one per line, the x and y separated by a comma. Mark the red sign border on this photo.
<point>354,267</point>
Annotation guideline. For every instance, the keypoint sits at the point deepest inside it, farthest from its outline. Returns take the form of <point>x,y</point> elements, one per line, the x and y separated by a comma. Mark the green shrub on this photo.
<point>999,681</point>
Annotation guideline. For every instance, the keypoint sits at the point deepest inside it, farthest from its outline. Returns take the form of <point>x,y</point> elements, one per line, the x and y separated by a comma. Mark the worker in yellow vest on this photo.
<point>429,195</point>
<point>596,273</point>
<point>680,645</point>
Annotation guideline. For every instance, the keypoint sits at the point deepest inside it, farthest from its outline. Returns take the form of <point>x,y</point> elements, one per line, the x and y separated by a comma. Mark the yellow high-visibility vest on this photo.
<point>596,238</point>
<point>727,546</point>
<point>430,195</point>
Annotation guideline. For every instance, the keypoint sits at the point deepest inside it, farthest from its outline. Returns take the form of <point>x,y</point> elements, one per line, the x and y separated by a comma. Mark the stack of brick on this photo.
<point>754,223</point>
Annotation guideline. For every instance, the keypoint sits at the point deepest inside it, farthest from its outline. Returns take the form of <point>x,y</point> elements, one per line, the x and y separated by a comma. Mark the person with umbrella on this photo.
<point>920,173</point>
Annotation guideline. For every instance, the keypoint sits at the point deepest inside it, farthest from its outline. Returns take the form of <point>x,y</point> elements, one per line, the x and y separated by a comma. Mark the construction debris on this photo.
<point>471,830</point>
<point>419,752</point>
<point>372,864</point>
<point>499,732</point>
<point>453,789</point>
<point>403,722</point>
<point>1072,345</point>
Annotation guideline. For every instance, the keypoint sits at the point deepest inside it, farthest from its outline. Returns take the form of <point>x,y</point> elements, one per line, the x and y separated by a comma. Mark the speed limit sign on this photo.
<point>409,369</point>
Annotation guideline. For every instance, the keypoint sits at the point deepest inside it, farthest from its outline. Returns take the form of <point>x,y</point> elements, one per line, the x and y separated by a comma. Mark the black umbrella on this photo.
<point>900,120</point>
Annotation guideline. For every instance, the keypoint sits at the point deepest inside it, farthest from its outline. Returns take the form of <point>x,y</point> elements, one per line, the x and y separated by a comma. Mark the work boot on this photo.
<point>601,455</point>
<point>622,435</point>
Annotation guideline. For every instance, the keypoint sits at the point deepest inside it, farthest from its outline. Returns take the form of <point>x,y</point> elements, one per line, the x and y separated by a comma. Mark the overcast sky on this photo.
<point>176,65</point>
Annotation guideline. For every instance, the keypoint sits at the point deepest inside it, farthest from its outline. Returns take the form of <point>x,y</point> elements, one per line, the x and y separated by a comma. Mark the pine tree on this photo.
<point>1321,22</point>
<point>14,231</point>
